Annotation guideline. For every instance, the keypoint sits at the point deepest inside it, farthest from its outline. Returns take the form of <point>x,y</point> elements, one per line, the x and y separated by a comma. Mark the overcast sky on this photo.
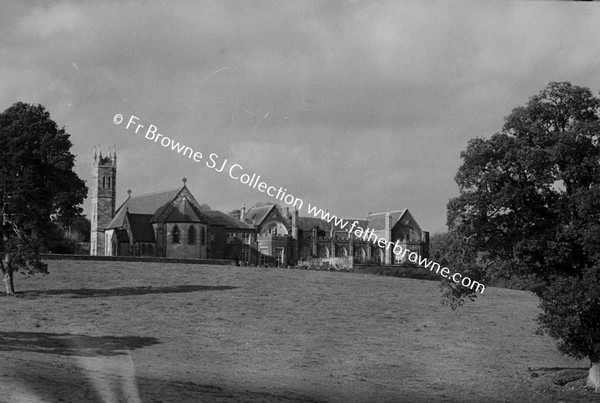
<point>355,107</point>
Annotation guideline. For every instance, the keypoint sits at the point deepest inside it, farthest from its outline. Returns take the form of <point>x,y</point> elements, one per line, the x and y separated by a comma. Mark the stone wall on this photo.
<point>219,262</point>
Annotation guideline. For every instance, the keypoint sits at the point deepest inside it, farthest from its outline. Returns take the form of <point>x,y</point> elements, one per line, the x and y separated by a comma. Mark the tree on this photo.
<point>237,214</point>
<point>37,187</point>
<point>79,229</point>
<point>68,238</point>
<point>529,197</point>
<point>450,249</point>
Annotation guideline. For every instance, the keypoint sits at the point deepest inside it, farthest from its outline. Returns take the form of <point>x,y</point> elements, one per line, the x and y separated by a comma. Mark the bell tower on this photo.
<point>104,184</point>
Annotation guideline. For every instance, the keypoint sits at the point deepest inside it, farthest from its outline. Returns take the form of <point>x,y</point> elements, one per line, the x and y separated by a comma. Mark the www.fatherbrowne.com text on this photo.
<point>236,172</point>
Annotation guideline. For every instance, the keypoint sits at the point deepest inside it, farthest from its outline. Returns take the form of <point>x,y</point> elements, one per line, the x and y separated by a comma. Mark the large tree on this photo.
<point>530,198</point>
<point>37,187</point>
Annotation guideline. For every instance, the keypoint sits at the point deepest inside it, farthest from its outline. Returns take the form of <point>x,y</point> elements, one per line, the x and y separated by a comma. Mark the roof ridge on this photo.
<point>257,207</point>
<point>155,193</point>
<point>392,211</point>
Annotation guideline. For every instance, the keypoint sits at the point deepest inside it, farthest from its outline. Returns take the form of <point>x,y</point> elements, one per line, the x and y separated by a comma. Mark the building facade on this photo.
<point>283,237</point>
<point>172,223</point>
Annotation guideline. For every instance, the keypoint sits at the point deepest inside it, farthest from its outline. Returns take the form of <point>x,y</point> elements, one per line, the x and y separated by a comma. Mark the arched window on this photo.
<point>108,182</point>
<point>175,234</point>
<point>203,236</point>
<point>324,251</point>
<point>360,254</point>
<point>192,235</point>
<point>143,249</point>
<point>342,251</point>
<point>378,255</point>
<point>104,181</point>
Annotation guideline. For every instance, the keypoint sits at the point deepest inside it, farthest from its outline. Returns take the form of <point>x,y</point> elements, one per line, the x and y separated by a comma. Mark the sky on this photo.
<point>353,106</point>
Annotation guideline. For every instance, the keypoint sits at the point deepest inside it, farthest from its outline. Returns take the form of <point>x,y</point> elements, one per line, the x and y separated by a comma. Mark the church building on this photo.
<point>172,223</point>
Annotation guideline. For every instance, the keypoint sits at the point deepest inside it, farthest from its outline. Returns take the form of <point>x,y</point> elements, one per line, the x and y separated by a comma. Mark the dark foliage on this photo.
<point>530,198</point>
<point>38,187</point>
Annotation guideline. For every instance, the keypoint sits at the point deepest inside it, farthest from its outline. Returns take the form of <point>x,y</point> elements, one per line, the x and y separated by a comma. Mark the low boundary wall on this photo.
<point>328,263</point>
<point>218,262</point>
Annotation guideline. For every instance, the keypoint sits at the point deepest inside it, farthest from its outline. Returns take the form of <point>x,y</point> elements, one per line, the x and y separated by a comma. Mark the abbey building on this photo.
<point>172,223</point>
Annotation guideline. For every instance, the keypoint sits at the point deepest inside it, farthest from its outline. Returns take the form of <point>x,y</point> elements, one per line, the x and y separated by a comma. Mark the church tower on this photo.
<point>104,183</point>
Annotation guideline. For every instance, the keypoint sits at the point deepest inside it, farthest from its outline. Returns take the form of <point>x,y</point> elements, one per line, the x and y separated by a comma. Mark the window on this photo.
<point>143,249</point>
<point>378,255</point>
<point>203,236</point>
<point>104,181</point>
<point>192,235</point>
<point>264,256</point>
<point>175,234</point>
<point>360,254</point>
<point>108,182</point>
<point>280,253</point>
<point>304,253</point>
<point>247,238</point>
<point>150,250</point>
<point>342,251</point>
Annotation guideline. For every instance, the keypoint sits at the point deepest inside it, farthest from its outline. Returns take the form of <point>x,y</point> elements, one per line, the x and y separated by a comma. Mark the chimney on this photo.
<point>295,224</point>
<point>243,212</point>
<point>388,237</point>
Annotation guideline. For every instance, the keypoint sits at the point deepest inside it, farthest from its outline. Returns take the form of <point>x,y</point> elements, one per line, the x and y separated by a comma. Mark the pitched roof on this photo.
<point>361,223</point>
<point>184,212</point>
<point>143,204</point>
<point>377,221</point>
<point>256,215</point>
<point>308,223</point>
<point>218,218</point>
<point>141,229</point>
<point>122,235</point>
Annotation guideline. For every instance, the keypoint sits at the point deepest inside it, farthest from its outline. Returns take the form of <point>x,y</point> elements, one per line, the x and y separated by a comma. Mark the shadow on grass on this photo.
<point>553,369</point>
<point>72,344</point>
<point>122,291</point>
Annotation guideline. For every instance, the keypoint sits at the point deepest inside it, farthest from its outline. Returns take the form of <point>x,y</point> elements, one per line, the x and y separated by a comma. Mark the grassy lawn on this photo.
<point>115,331</point>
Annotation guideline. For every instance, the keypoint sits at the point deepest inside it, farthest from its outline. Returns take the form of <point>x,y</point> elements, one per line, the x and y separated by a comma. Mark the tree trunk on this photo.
<point>593,379</point>
<point>8,274</point>
<point>8,282</point>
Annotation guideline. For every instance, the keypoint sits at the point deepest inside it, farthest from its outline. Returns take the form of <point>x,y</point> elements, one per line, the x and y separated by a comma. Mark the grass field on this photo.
<point>116,332</point>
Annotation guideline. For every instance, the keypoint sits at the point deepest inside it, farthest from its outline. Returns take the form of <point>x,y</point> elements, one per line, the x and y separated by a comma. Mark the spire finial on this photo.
<point>184,180</point>
<point>128,193</point>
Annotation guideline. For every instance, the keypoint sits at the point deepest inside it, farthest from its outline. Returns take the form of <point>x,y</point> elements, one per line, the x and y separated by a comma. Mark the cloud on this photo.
<point>44,22</point>
<point>357,106</point>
